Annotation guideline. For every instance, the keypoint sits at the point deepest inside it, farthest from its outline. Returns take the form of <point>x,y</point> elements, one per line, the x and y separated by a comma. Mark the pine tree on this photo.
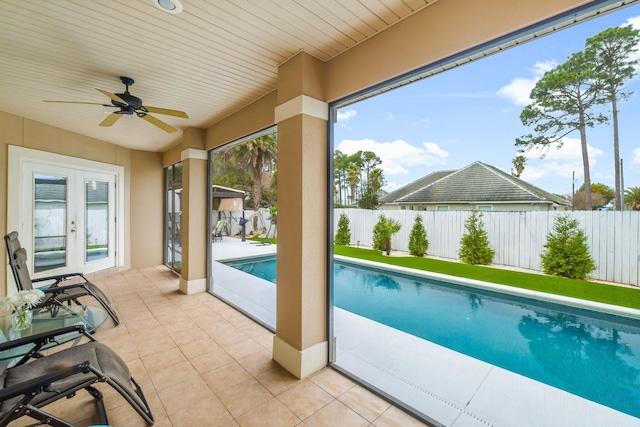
<point>418,243</point>
<point>343,236</point>
<point>566,251</point>
<point>474,245</point>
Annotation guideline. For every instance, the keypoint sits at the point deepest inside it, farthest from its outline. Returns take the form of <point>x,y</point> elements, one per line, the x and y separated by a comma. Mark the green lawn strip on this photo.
<point>262,239</point>
<point>592,291</point>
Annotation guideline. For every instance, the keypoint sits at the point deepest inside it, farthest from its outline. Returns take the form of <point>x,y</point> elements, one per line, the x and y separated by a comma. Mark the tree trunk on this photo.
<point>256,191</point>
<point>616,153</point>
<point>585,165</point>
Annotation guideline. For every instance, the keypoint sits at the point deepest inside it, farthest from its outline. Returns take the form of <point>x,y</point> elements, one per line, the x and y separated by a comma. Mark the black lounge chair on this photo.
<point>58,292</point>
<point>30,385</point>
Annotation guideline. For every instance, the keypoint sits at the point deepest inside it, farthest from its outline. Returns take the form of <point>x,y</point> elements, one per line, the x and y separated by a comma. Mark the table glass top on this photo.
<point>48,319</point>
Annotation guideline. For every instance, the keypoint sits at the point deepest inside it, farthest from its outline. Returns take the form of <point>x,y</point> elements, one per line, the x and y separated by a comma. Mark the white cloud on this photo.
<point>560,162</point>
<point>519,88</point>
<point>387,116</point>
<point>636,156</point>
<point>397,156</point>
<point>346,115</point>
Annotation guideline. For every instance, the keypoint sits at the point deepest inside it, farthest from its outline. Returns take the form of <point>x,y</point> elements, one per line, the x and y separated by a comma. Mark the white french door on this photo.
<point>66,214</point>
<point>68,219</point>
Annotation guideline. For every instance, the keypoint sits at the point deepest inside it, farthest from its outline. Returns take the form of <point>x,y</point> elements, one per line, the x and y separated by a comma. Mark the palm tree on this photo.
<point>353,178</point>
<point>632,198</point>
<point>518,162</point>
<point>260,155</point>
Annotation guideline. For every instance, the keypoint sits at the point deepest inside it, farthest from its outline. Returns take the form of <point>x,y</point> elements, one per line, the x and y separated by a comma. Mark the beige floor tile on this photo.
<point>364,402</point>
<point>258,363</point>
<point>189,335</point>
<point>177,373</point>
<point>175,397</point>
<point>395,417</point>
<point>243,348</point>
<point>270,414</point>
<point>212,360</point>
<point>244,397</point>
<point>163,359</point>
<point>210,412</point>
<point>226,377</point>
<point>277,380</point>
<point>335,414</point>
<point>198,347</point>
<point>305,398</point>
<point>332,381</point>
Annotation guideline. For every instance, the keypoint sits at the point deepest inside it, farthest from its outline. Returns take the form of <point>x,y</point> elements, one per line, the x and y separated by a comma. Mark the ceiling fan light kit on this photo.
<point>130,105</point>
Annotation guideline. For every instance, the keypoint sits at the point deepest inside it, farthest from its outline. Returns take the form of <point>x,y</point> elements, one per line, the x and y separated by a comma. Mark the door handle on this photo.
<point>73,227</point>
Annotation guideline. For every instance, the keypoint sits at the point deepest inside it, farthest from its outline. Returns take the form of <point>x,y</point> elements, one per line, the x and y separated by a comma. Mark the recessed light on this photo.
<point>170,6</point>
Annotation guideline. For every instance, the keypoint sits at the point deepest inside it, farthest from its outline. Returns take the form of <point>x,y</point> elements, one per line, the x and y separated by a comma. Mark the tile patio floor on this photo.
<point>202,363</point>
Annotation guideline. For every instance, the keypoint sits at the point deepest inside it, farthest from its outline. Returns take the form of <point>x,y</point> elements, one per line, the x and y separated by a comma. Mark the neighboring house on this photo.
<point>478,185</point>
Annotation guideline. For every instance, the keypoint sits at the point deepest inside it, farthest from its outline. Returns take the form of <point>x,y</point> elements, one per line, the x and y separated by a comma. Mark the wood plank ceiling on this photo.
<point>210,60</point>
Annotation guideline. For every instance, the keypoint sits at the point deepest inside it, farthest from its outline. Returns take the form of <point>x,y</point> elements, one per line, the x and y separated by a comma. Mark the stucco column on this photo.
<point>300,343</point>
<point>194,211</point>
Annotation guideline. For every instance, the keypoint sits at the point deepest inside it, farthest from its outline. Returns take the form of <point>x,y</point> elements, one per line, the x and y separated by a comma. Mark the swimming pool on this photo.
<point>586,353</point>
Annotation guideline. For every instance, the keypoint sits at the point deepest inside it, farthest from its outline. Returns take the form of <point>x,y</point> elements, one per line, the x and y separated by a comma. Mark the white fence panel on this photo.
<point>517,237</point>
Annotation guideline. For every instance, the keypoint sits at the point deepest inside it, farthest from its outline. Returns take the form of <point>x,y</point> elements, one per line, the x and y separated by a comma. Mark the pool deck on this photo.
<point>447,387</point>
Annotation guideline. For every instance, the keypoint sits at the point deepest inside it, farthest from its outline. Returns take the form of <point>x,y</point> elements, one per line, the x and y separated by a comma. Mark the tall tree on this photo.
<point>611,52</point>
<point>353,178</point>
<point>518,162</point>
<point>260,155</point>
<point>340,164</point>
<point>563,102</point>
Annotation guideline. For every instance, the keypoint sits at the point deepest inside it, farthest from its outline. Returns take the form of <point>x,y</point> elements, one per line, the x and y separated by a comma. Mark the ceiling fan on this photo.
<point>129,105</point>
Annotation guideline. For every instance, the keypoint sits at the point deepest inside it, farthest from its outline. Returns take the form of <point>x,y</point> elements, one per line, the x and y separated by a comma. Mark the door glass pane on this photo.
<point>49,222</point>
<point>173,217</point>
<point>96,219</point>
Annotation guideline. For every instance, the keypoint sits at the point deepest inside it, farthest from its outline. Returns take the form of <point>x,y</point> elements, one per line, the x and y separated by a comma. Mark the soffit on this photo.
<point>210,60</point>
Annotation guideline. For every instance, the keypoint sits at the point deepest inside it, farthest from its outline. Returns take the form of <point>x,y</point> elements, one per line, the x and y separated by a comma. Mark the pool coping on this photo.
<point>504,289</point>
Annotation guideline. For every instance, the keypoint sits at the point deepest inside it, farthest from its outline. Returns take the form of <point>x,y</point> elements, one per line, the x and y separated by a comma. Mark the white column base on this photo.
<point>193,286</point>
<point>300,363</point>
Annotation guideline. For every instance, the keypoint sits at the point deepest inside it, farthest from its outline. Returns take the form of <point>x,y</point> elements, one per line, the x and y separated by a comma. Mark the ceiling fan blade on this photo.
<point>113,96</point>
<point>78,102</point>
<point>110,120</point>
<point>157,122</point>
<point>167,112</point>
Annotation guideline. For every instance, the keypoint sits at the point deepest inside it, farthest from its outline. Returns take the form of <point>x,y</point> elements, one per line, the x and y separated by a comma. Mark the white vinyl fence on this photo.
<point>517,237</point>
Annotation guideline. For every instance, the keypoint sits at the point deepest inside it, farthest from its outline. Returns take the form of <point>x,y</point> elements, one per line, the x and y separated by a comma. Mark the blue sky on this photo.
<point>472,113</point>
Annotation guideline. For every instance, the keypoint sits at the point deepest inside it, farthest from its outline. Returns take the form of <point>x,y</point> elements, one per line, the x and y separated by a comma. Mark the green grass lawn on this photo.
<point>593,291</point>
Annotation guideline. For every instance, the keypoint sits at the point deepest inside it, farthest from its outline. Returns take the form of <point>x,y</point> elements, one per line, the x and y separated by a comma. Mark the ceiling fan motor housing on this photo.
<point>132,101</point>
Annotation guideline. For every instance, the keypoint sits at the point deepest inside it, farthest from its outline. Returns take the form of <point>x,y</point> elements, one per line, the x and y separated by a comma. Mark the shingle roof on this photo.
<point>393,196</point>
<point>477,182</point>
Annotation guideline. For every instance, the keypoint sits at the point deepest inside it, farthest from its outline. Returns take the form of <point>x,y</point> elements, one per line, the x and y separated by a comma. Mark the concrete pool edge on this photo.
<point>542,296</point>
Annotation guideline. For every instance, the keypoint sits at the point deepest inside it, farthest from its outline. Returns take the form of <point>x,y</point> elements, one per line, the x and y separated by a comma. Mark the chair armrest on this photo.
<point>59,278</point>
<point>43,382</point>
<point>44,337</point>
<point>54,289</point>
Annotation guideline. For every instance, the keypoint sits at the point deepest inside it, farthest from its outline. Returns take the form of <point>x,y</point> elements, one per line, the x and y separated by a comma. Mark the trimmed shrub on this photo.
<point>474,245</point>
<point>383,231</point>
<point>418,243</point>
<point>566,251</point>
<point>343,236</point>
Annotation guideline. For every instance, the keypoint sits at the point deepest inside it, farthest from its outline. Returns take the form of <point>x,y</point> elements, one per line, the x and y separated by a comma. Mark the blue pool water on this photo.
<point>586,353</point>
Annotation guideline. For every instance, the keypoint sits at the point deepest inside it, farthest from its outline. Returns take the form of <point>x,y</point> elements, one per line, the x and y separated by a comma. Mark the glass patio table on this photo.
<point>49,319</point>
